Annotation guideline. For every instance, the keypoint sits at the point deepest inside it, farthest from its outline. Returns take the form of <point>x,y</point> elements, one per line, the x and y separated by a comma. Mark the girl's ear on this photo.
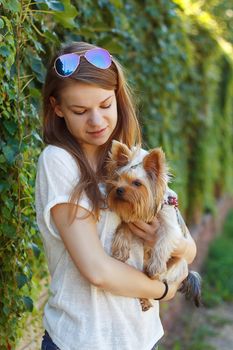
<point>56,107</point>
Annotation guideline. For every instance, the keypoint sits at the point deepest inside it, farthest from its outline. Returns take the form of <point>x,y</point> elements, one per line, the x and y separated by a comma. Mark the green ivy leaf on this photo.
<point>4,185</point>
<point>11,126</point>
<point>2,24</point>
<point>66,19</point>
<point>8,230</point>
<point>2,159</point>
<point>36,250</point>
<point>9,203</point>
<point>21,280</point>
<point>6,212</point>
<point>38,68</point>
<point>113,45</point>
<point>4,51</point>
<point>51,37</point>
<point>37,136</point>
<point>9,153</point>
<point>28,303</point>
<point>55,5</point>
<point>6,310</point>
<point>13,5</point>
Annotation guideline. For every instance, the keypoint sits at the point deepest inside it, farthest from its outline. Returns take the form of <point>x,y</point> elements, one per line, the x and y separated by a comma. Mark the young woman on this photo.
<point>94,299</point>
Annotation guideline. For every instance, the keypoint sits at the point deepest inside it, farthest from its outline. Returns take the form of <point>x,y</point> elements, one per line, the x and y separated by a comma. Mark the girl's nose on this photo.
<point>95,118</point>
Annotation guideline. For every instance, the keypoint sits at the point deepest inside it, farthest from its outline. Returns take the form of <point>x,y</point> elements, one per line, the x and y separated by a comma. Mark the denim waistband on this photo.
<point>48,344</point>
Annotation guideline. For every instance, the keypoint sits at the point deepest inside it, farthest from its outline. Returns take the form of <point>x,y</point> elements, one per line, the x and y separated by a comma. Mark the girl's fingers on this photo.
<point>150,228</point>
<point>137,230</point>
<point>145,231</point>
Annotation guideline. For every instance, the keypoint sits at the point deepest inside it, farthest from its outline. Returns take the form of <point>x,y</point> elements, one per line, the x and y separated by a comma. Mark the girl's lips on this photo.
<point>97,133</point>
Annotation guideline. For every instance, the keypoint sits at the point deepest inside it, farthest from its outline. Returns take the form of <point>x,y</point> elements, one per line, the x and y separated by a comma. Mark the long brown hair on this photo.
<point>56,133</point>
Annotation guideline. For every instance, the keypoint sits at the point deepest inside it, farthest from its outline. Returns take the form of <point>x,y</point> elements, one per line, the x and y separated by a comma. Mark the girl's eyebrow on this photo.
<point>87,107</point>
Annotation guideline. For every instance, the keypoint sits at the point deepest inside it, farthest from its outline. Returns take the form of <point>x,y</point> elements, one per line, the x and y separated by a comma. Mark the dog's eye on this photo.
<point>136,183</point>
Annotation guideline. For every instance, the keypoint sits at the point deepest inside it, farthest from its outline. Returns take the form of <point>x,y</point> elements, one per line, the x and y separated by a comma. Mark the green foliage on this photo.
<point>218,273</point>
<point>20,143</point>
<point>222,12</point>
<point>179,63</point>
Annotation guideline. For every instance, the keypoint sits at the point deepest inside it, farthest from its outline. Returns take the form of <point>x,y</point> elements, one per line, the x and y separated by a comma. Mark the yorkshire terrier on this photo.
<point>139,191</point>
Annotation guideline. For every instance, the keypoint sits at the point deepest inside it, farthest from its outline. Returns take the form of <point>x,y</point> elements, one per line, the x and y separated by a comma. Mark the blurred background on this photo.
<point>178,57</point>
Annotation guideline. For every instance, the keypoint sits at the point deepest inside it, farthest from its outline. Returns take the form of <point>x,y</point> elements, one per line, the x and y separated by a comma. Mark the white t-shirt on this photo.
<point>78,315</point>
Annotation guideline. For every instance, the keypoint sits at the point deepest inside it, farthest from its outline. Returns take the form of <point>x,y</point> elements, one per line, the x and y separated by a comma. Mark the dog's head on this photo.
<point>136,189</point>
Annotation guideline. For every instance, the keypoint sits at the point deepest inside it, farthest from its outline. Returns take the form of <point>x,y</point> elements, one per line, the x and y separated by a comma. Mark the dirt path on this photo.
<point>202,329</point>
<point>223,325</point>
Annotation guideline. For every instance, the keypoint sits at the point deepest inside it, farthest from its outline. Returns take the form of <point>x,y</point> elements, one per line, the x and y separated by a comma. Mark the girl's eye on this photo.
<point>104,107</point>
<point>137,183</point>
<point>79,113</point>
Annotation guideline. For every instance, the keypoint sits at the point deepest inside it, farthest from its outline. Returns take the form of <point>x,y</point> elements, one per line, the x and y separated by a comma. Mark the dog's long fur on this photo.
<point>137,191</point>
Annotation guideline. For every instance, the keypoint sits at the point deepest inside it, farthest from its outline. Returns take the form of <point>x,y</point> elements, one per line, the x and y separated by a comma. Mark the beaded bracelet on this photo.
<point>165,292</point>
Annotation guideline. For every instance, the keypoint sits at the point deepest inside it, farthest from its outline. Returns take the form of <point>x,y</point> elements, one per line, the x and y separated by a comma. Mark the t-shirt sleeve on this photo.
<point>179,217</point>
<point>57,175</point>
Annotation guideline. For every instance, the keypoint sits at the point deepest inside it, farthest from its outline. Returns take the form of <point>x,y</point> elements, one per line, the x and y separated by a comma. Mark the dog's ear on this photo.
<point>156,168</point>
<point>155,164</point>
<point>120,153</point>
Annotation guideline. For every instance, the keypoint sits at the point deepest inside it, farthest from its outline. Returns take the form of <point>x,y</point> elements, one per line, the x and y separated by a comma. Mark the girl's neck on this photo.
<point>92,158</point>
<point>95,158</point>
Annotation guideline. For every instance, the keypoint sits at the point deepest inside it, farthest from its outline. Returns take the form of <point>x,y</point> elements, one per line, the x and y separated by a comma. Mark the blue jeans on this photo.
<point>48,344</point>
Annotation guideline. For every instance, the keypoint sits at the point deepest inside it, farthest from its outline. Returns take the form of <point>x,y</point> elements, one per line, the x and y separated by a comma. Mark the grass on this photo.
<point>218,267</point>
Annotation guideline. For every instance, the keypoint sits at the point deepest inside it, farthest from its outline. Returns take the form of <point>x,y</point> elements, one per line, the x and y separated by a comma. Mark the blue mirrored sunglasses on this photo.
<point>66,64</point>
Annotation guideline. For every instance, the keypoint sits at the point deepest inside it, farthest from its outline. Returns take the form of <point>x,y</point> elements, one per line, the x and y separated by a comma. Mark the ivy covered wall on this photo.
<point>178,58</point>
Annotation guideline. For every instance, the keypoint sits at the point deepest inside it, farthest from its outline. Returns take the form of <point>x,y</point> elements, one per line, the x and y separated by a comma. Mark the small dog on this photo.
<point>139,191</point>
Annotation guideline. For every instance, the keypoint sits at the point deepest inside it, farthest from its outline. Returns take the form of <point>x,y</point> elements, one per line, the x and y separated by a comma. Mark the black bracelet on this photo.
<point>165,292</point>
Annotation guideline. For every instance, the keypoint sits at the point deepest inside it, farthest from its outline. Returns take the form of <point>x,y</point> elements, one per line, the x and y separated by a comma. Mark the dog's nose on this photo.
<point>120,191</point>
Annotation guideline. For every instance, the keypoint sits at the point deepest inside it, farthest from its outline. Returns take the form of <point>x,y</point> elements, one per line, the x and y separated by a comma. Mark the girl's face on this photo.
<point>90,113</point>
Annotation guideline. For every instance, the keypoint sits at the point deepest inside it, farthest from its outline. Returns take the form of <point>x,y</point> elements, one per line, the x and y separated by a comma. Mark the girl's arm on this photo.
<point>186,248</point>
<point>82,242</point>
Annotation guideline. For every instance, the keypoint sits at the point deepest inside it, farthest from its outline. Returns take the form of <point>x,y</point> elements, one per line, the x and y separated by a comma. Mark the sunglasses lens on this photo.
<point>99,57</point>
<point>66,64</point>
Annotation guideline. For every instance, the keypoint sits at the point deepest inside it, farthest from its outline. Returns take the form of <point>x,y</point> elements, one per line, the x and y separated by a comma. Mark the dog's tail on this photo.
<point>191,287</point>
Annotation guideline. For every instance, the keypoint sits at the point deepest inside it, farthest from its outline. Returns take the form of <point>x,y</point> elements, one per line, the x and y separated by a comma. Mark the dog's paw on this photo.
<point>121,244</point>
<point>122,255</point>
<point>155,268</point>
<point>145,304</point>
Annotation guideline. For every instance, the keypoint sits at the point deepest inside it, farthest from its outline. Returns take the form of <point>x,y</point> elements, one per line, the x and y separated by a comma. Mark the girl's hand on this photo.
<point>173,287</point>
<point>146,231</point>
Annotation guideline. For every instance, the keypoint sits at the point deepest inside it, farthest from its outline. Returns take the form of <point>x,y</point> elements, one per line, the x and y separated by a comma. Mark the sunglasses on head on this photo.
<point>66,64</point>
